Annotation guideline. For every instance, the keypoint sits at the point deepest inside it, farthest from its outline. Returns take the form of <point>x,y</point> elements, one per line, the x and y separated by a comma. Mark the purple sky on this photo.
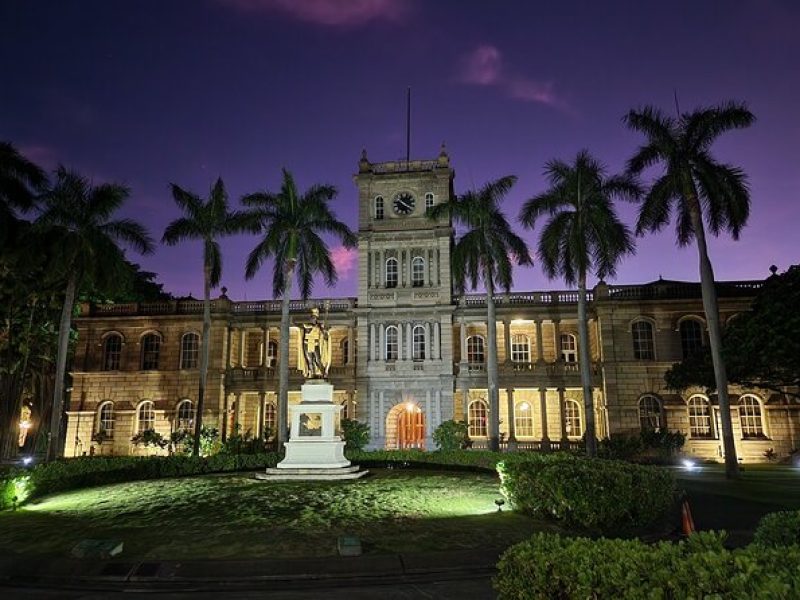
<point>151,92</point>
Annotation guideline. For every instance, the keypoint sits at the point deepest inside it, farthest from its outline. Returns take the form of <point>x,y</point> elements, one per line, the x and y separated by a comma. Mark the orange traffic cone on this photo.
<point>687,523</point>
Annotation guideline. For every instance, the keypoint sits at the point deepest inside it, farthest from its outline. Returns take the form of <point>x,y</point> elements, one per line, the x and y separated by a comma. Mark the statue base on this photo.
<point>315,450</point>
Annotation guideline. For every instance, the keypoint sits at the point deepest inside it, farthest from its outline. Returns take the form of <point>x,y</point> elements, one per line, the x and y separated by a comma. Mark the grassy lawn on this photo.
<point>717,503</point>
<point>236,516</point>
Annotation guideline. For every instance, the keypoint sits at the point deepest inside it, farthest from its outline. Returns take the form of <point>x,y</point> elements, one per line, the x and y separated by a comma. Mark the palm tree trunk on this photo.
<point>491,367</point>
<point>55,439</point>
<point>283,361</point>
<point>711,308</point>
<point>586,369</point>
<point>204,351</point>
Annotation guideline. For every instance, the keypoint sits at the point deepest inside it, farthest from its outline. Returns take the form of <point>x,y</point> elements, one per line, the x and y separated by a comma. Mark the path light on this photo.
<point>689,464</point>
<point>499,502</point>
<point>26,460</point>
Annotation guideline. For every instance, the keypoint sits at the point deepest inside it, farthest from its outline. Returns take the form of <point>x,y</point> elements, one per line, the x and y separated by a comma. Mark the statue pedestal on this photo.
<point>315,449</point>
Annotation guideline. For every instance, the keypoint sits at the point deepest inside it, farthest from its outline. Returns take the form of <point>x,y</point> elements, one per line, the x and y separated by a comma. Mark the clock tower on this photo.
<point>404,315</point>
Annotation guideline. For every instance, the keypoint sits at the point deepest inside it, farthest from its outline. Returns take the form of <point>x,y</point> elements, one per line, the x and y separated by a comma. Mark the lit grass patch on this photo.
<point>236,516</point>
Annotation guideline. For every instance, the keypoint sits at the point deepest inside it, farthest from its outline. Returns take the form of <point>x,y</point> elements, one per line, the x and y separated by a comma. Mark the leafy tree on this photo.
<point>583,234</point>
<point>206,221</point>
<point>700,190</point>
<point>485,253</point>
<point>77,216</point>
<point>20,181</point>
<point>292,225</point>
<point>761,347</point>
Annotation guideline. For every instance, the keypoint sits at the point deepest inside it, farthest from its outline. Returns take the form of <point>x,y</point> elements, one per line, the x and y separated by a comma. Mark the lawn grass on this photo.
<point>236,516</point>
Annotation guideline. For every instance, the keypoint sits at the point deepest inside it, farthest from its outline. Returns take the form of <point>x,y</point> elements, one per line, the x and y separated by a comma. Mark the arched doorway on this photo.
<point>405,427</point>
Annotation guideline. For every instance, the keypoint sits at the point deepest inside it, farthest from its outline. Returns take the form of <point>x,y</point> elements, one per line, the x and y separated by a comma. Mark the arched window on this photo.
<point>392,344</point>
<point>520,348</point>
<point>112,352</point>
<point>379,208</point>
<point>105,419</point>
<point>477,419</point>
<point>691,337</point>
<point>643,345</point>
<point>523,419</point>
<point>184,416</point>
<point>429,199</point>
<point>190,343</point>
<point>650,413</point>
<point>151,345</point>
<point>418,342</point>
<point>750,417</point>
<point>475,350</point>
<point>272,353</point>
<point>345,346</point>
<point>417,271</point>
<point>145,416</point>
<point>391,272</point>
<point>345,414</point>
<point>572,418</point>
<point>270,420</point>
<point>700,425</point>
<point>569,348</point>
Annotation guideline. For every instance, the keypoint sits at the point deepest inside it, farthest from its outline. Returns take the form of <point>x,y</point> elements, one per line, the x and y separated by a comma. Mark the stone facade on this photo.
<point>408,354</point>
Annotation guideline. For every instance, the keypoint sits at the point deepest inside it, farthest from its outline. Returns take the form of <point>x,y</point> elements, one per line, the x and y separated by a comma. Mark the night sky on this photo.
<point>150,92</point>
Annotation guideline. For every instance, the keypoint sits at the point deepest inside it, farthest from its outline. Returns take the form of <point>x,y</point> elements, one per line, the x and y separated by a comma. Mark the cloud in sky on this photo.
<point>328,13</point>
<point>485,66</point>
<point>345,260</point>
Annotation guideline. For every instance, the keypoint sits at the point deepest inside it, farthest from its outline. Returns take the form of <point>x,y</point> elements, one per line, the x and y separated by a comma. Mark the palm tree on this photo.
<point>700,189</point>
<point>20,180</point>
<point>484,254</point>
<point>292,225</point>
<point>206,221</point>
<point>78,217</point>
<point>583,234</point>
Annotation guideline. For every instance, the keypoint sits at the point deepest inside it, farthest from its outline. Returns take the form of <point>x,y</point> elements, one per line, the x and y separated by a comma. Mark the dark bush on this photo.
<point>647,446</point>
<point>451,435</point>
<point>355,434</point>
<point>778,529</point>
<point>595,495</point>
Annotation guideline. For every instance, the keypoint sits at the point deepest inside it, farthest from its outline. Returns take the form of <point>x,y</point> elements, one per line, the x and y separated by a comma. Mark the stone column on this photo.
<point>265,347</point>
<point>428,342</point>
<point>382,269</point>
<point>436,341</point>
<point>543,417</point>
<point>539,342</point>
<point>507,338</point>
<point>381,342</point>
<point>562,408</point>
<point>512,438</point>
<point>381,420</point>
<point>228,348</point>
<point>557,338</point>
<point>400,338</point>
<point>237,416</point>
<point>409,341</point>
<point>371,348</point>
<point>262,400</point>
<point>428,421</point>
<point>465,398</point>
<point>242,342</point>
<point>463,342</point>
<point>351,343</point>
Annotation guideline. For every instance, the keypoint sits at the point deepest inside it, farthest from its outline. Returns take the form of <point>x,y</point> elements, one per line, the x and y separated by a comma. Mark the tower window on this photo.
<point>392,343</point>
<point>379,208</point>
<point>418,342</point>
<point>418,271</point>
<point>391,273</point>
<point>428,201</point>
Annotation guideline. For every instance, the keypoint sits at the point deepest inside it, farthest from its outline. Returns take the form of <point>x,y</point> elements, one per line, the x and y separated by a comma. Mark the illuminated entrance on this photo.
<point>405,427</point>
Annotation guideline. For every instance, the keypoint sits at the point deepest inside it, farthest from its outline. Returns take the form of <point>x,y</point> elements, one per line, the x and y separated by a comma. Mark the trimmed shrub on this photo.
<point>594,495</point>
<point>778,529</point>
<point>551,566</point>
<point>355,434</point>
<point>647,446</point>
<point>451,435</point>
<point>475,459</point>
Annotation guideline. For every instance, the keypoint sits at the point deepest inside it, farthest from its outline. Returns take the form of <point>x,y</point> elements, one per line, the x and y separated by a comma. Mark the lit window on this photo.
<point>475,350</point>
<point>272,353</point>
<point>146,416</point>
<point>750,417</point>
<point>569,348</point>
<point>428,201</point>
<point>151,345</point>
<point>477,419</point>
<point>418,271</point>
<point>649,413</point>
<point>572,418</point>
<point>691,337</point>
<point>190,343</point>
<point>523,419</point>
<point>105,419</point>
<point>270,420</point>
<point>418,342</point>
<point>391,273</point>
<point>520,348</point>
<point>700,417</point>
<point>184,420</point>
<point>379,208</point>
<point>112,352</point>
<point>643,346</point>
<point>392,343</point>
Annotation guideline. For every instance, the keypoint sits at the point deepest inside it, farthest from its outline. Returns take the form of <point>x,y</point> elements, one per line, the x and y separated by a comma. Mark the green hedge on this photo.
<point>551,566</point>
<point>598,496</point>
<point>778,529</point>
<point>20,485</point>
<point>479,459</point>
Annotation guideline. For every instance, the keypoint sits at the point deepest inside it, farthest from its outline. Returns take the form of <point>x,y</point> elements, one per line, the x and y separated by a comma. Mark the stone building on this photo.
<point>409,354</point>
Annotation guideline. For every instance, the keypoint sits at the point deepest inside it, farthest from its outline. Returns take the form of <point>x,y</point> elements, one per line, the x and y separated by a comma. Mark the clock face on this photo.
<point>403,203</point>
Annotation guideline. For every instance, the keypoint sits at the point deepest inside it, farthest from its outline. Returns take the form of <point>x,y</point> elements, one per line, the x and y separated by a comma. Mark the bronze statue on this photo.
<point>316,346</point>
